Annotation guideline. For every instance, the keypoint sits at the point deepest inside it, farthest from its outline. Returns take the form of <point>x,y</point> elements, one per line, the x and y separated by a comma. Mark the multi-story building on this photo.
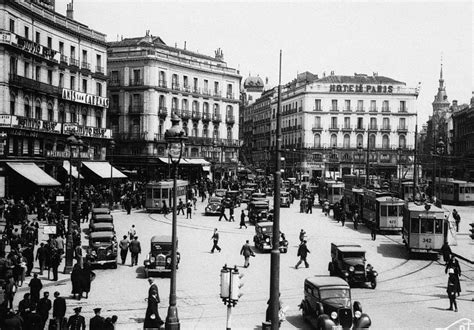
<point>328,122</point>
<point>149,81</point>
<point>463,142</point>
<point>52,84</point>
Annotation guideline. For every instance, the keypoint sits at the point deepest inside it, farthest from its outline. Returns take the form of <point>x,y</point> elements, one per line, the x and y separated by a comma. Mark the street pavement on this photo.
<point>411,293</point>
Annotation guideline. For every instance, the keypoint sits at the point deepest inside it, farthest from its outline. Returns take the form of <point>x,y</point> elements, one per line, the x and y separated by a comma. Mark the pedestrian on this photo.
<point>215,240</point>
<point>132,232</point>
<point>242,220</point>
<point>457,218</point>
<point>41,257</point>
<point>29,258</point>
<point>76,281</point>
<point>452,290</point>
<point>59,310</point>
<point>453,263</point>
<point>97,322</point>
<point>180,206</point>
<point>164,208</point>
<point>302,235</point>
<point>87,275</point>
<point>77,321</point>
<point>35,288</point>
<point>153,289</point>
<point>247,252</point>
<point>222,212</point>
<point>135,249</point>
<point>43,308</point>
<point>343,217</point>
<point>124,243</point>
<point>302,253</point>
<point>373,232</point>
<point>446,252</point>
<point>152,316</point>
<point>10,291</point>
<point>189,210</point>
<point>326,207</point>
<point>109,323</point>
<point>55,262</point>
<point>25,305</point>
<point>195,202</point>
<point>355,219</point>
<point>32,320</point>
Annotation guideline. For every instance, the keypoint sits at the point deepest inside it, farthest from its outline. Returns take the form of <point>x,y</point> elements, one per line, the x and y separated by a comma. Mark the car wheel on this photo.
<point>114,265</point>
<point>373,283</point>
<point>304,313</point>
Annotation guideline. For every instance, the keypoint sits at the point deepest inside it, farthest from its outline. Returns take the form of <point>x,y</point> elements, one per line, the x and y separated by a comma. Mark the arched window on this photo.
<point>347,141</point>
<point>229,133</point>
<point>162,102</point>
<point>184,104</point>
<point>98,119</point>
<point>195,106</point>
<point>385,142</point>
<point>174,104</point>
<point>317,140</point>
<point>195,129</point>
<point>402,141</point>
<point>38,111</point>
<point>205,131</point>
<point>185,127</point>
<point>333,140</point>
<point>229,111</point>
<point>27,112</point>
<point>12,103</point>
<point>360,140</point>
<point>84,116</point>
<point>216,109</point>
<point>205,107</point>
<point>174,81</point>
<point>61,114</point>
<point>229,91</point>
<point>372,141</point>
<point>215,132</point>
<point>50,112</point>
<point>162,79</point>
<point>72,114</point>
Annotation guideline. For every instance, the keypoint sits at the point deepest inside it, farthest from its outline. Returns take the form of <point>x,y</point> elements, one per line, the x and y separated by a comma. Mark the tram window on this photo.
<point>427,226</point>
<point>148,192</point>
<point>164,193</point>
<point>336,191</point>
<point>383,211</point>
<point>415,225</point>
<point>438,224</point>
<point>461,190</point>
<point>392,210</point>
<point>156,193</point>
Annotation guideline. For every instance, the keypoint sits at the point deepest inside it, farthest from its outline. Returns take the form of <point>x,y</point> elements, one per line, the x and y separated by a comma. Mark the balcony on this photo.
<point>386,128</point>
<point>317,128</point>
<point>196,90</point>
<point>346,128</point>
<point>403,110</point>
<point>136,82</point>
<point>386,109</point>
<point>229,119</point>
<point>206,92</point>
<point>114,83</point>
<point>26,83</point>
<point>159,137</point>
<point>373,110</point>
<point>402,129</point>
<point>186,88</point>
<point>206,117</point>
<point>347,109</point>
<point>162,83</point>
<point>185,114</point>
<point>175,86</point>
<point>162,111</point>
<point>135,109</point>
<point>73,62</point>
<point>360,129</point>
<point>63,59</point>
<point>317,109</point>
<point>229,96</point>
<point>217,93</point>
<point>85,66</point>
<point>360,109</point>
<point>333,128</point>
<point>216,118</point>
<point>373,128</point>
<point>176,111</point>
<point>99,69</point>
<point>131,136</point>
<point>196,115</point>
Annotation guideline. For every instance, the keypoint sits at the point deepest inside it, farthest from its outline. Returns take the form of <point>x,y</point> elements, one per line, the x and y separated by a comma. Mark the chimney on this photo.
<point>70,10</point>
<point>455,103</point>
<point>266,80</point>
<point>332,73</point>
<point>185,45</point>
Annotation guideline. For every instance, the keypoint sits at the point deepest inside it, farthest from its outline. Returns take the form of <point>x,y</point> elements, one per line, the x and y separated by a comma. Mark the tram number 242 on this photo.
<point>426,240</point>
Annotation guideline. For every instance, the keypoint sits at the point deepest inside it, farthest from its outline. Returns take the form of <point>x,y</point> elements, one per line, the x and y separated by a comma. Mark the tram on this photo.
<point>405,191</point>
<point>456,192</point>
<point>158,192</point>
<point>425,227</point>
<point>330,190</point>
<point>353,196</point>
<point>382,211</point>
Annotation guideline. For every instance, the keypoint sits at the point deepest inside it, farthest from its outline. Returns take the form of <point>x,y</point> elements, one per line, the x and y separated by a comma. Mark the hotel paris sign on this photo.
<point>360,88</point>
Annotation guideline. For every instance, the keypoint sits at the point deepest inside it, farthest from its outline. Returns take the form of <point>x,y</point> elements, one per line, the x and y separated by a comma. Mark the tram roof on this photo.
<point>421,207</point>
<point>389,199</point>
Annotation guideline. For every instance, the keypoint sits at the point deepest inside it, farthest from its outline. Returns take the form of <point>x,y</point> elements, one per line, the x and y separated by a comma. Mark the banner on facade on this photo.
<point>85,98</point>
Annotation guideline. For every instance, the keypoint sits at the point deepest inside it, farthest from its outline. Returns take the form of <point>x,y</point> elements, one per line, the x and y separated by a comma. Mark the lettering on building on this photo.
<point>85,130</point>
<point>360,88</point>
<point>33,47</point>
<point>85,98</point>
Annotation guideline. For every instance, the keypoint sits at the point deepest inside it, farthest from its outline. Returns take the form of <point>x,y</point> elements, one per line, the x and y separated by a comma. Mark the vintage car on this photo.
<point>263,237</point>
<point>102,226</point>
<point>159,258</point>
<point>214,206</point>
<point>348,262</point>
<point>220,192</point>
<point>100,210</point>
<point>247,194</point>
<point>284,199</point>
<point>327,305</point>
<point>234,197</point>
<point>102,249</point>
<point>100,218</point>
<point>258,211</point>
<point>256,196</point>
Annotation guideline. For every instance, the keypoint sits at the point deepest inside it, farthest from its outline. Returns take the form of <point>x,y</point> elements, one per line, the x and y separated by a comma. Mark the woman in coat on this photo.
<point>152,317</point>
<point>86,278</point>
<point>76,281</point>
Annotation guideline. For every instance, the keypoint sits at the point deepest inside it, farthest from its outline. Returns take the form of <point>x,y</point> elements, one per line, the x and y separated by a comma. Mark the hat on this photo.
<point>451,271</point>
<point>78,309</point>
<point>150,280</point>
<point>97,310</point>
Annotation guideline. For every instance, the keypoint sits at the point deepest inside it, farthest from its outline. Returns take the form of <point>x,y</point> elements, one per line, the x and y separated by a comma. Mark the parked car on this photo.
<point>284,199</point>
<point>100,218</point>
<point>100,210</point>
<point>247,194</point>
<point>258,211</point>
<point>348,262</point>
<point>256,196</point>
<point>102,249</point>
<point>264,235</point>
<point>214,206</point>
<point>327,305</point>
<point>159,258</point>
<point>220,192</point>
<point>102,226</point>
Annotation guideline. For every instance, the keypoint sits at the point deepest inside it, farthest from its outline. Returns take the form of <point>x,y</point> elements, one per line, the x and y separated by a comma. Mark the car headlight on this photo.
<point>94,253</point>
<point>334,315</point>
<point>375,273</point>
<point>351,268</point>
<point>168,260</point>
<point>357,314</point>
<point>267,240</point>
<point>147,263</point>
<point>152,259</point>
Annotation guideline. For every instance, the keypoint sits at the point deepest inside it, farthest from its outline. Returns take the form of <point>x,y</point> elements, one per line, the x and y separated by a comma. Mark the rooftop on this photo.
<point>358,79</point>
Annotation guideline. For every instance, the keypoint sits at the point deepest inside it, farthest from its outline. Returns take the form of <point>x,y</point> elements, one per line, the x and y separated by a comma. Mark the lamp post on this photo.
<point>111,188</point>
<point>359,153</point>
<point>72,142</point>
<point>175,137</point>
<point>399,174</point>
<point>80,146</point>
<point>333,156</point>
<point>439,151</point>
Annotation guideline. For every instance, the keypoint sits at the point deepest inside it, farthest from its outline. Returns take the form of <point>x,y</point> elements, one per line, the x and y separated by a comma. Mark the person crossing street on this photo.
<point>215,240</point>
<point>302,253</point>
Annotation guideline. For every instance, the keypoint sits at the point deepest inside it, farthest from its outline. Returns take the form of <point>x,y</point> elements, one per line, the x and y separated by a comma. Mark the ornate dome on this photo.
<point>253,82</point>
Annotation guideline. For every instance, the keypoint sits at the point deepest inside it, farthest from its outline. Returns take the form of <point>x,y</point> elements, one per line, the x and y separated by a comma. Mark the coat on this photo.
<point>59,307</point>
<point>246,250</point>
<point>43,308</point>
<point>86,275</point>
<point>153,289</point>
<point>76,322</point>
<point>152,317</point>
<point>76,280</point>
<point>303,251</point>
<point>135,246</point>
<point>96,323</point>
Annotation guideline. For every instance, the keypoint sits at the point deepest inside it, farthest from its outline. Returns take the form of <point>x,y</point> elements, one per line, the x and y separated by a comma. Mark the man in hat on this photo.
<point>77,321</point>
<point>97,322</point>
<point>124,248</point>
<point>43,308</point>
<point>59,309</point>
<point>153,289</point>
<point>35,288</point>
<point>135,249</point>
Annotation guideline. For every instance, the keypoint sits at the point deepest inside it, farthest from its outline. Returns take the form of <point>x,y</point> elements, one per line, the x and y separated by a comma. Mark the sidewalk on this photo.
<point>463,248</point>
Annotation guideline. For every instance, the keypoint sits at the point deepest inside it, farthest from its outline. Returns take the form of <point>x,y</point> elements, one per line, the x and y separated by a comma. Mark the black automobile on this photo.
<point>349,263</point>
<point>102,249</point>
<point>234,196</point>
<point>159,258</point>
<point>327,305</point>
<point>258,211</point>
<point>214,206</point>
<point>264,235</point>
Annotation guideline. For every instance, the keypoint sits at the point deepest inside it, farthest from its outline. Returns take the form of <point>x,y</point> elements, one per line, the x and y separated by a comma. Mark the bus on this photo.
<point>330,190</point>
<point>457,192</point>
<point>425,227</point>
<point>158,192</point>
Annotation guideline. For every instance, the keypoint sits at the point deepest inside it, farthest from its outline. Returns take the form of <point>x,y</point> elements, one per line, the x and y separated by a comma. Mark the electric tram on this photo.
<point>330,190</point>
<point>454,191</point>
<point>158,192</point>
<point>382,211</point>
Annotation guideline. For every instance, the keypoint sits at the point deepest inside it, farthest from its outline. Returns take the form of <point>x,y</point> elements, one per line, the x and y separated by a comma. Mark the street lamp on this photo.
<point>399,171</point>
<point>440,146</point>
<point>359,153</point>
<point>333,156</point>
<point>174,137</point>
<point>111,188</point>
<point>72,142</point>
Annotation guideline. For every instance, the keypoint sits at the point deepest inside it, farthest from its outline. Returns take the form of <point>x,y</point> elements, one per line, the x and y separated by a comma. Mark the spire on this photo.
<point>441,80</point>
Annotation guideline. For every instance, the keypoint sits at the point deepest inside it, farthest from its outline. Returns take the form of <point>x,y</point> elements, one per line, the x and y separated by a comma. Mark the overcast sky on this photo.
<point>403,40</point>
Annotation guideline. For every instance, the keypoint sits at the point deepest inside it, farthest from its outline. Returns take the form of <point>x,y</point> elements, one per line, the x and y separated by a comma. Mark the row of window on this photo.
<point>34,147</point>
<point>61,47</point>
<point>348,105</point>
<point>360,141</point>
<point>360,122</point>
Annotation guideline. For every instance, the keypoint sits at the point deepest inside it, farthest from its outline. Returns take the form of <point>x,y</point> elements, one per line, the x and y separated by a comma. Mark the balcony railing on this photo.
<point>63,59</point>
<point>402,129</point>
<point>162,84</point>
<point>176,111</point>
<point>162,111</point>
<point>385,109</point>
<point>229,96</point>
<point>206,117</point>
<point>217,93</point>
<point>135,109</point>
<point>347,109</point>
<point>99,69</point>
<point>333,128</point>
<point>35,85</point>
<point>403,110</point>
<point>196,90</point>
<point>85,65</point>
<point>73,62</point>
<point>196,115</point>
<point>175,86</point>
<point>185,114</point>
<point>346,128</point>
<point>373,127</point>
<point>359,129</point>
<point>136,82</point>
<point>360,109</point>
<point>133,136</point>
<point>206,92</point>
<point>373,110</point>
<point>187,88</point>
<point>114,82</point>
<point>386,128</point>
<point>317,128</point>
<point>216,118</point>
<point>334,109</point>
<point>317,109</point>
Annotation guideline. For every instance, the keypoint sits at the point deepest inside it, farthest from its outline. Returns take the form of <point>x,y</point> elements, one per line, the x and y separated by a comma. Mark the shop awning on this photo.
<point>33,173</point>
<point>74,169</point>
<point>102,169</point>
<point>197,161</point>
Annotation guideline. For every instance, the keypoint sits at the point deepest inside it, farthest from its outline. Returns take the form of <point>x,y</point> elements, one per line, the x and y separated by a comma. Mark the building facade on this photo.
<point>463,142</point>
<point>52,84</point>
<point>149,81</point>
<point>328,122</point>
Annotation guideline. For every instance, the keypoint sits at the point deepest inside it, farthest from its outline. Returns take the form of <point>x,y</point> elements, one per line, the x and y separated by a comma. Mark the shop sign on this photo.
<point>314,165</point>
<point>6,120</point>
<point>38,125</point>
<point>66,155</point>
<point>20,132</point>
<point>34,48</point>
<point>360,88</point>
<point>71,128</point>
<point>85,98</point>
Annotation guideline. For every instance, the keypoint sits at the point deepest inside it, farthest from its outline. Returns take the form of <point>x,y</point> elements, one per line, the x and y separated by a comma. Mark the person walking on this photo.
<point>453,263</point>
<point>231,213</point>
<point>76,281</point>
<point>457,219</point>
<point>302,253</point>
<point>355,219</point>
<point>132,232</point>
<point>242,220</point>
<point>97,322</point>
<point>343,217</point>
<point>41,257</point>
<point>165,208</point>
<point>452,290</point>
<point>446,252</point>
<point>215,240</point>
<point>55,262</point>
<point>222,212</point>
<point>86,277</point>
<point>373,233</point>
<point>77,321</point>
<point>135,249</point>
<point>35,288</point>
<point>43,308</point>
<point>152,316</point>
<point>10,290</point>
<point>59,310</point>
<point>180,206</point>
<point>302,235</point>
<point>124,243</point>
<point>247,252</point>
<point>189,209</point>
